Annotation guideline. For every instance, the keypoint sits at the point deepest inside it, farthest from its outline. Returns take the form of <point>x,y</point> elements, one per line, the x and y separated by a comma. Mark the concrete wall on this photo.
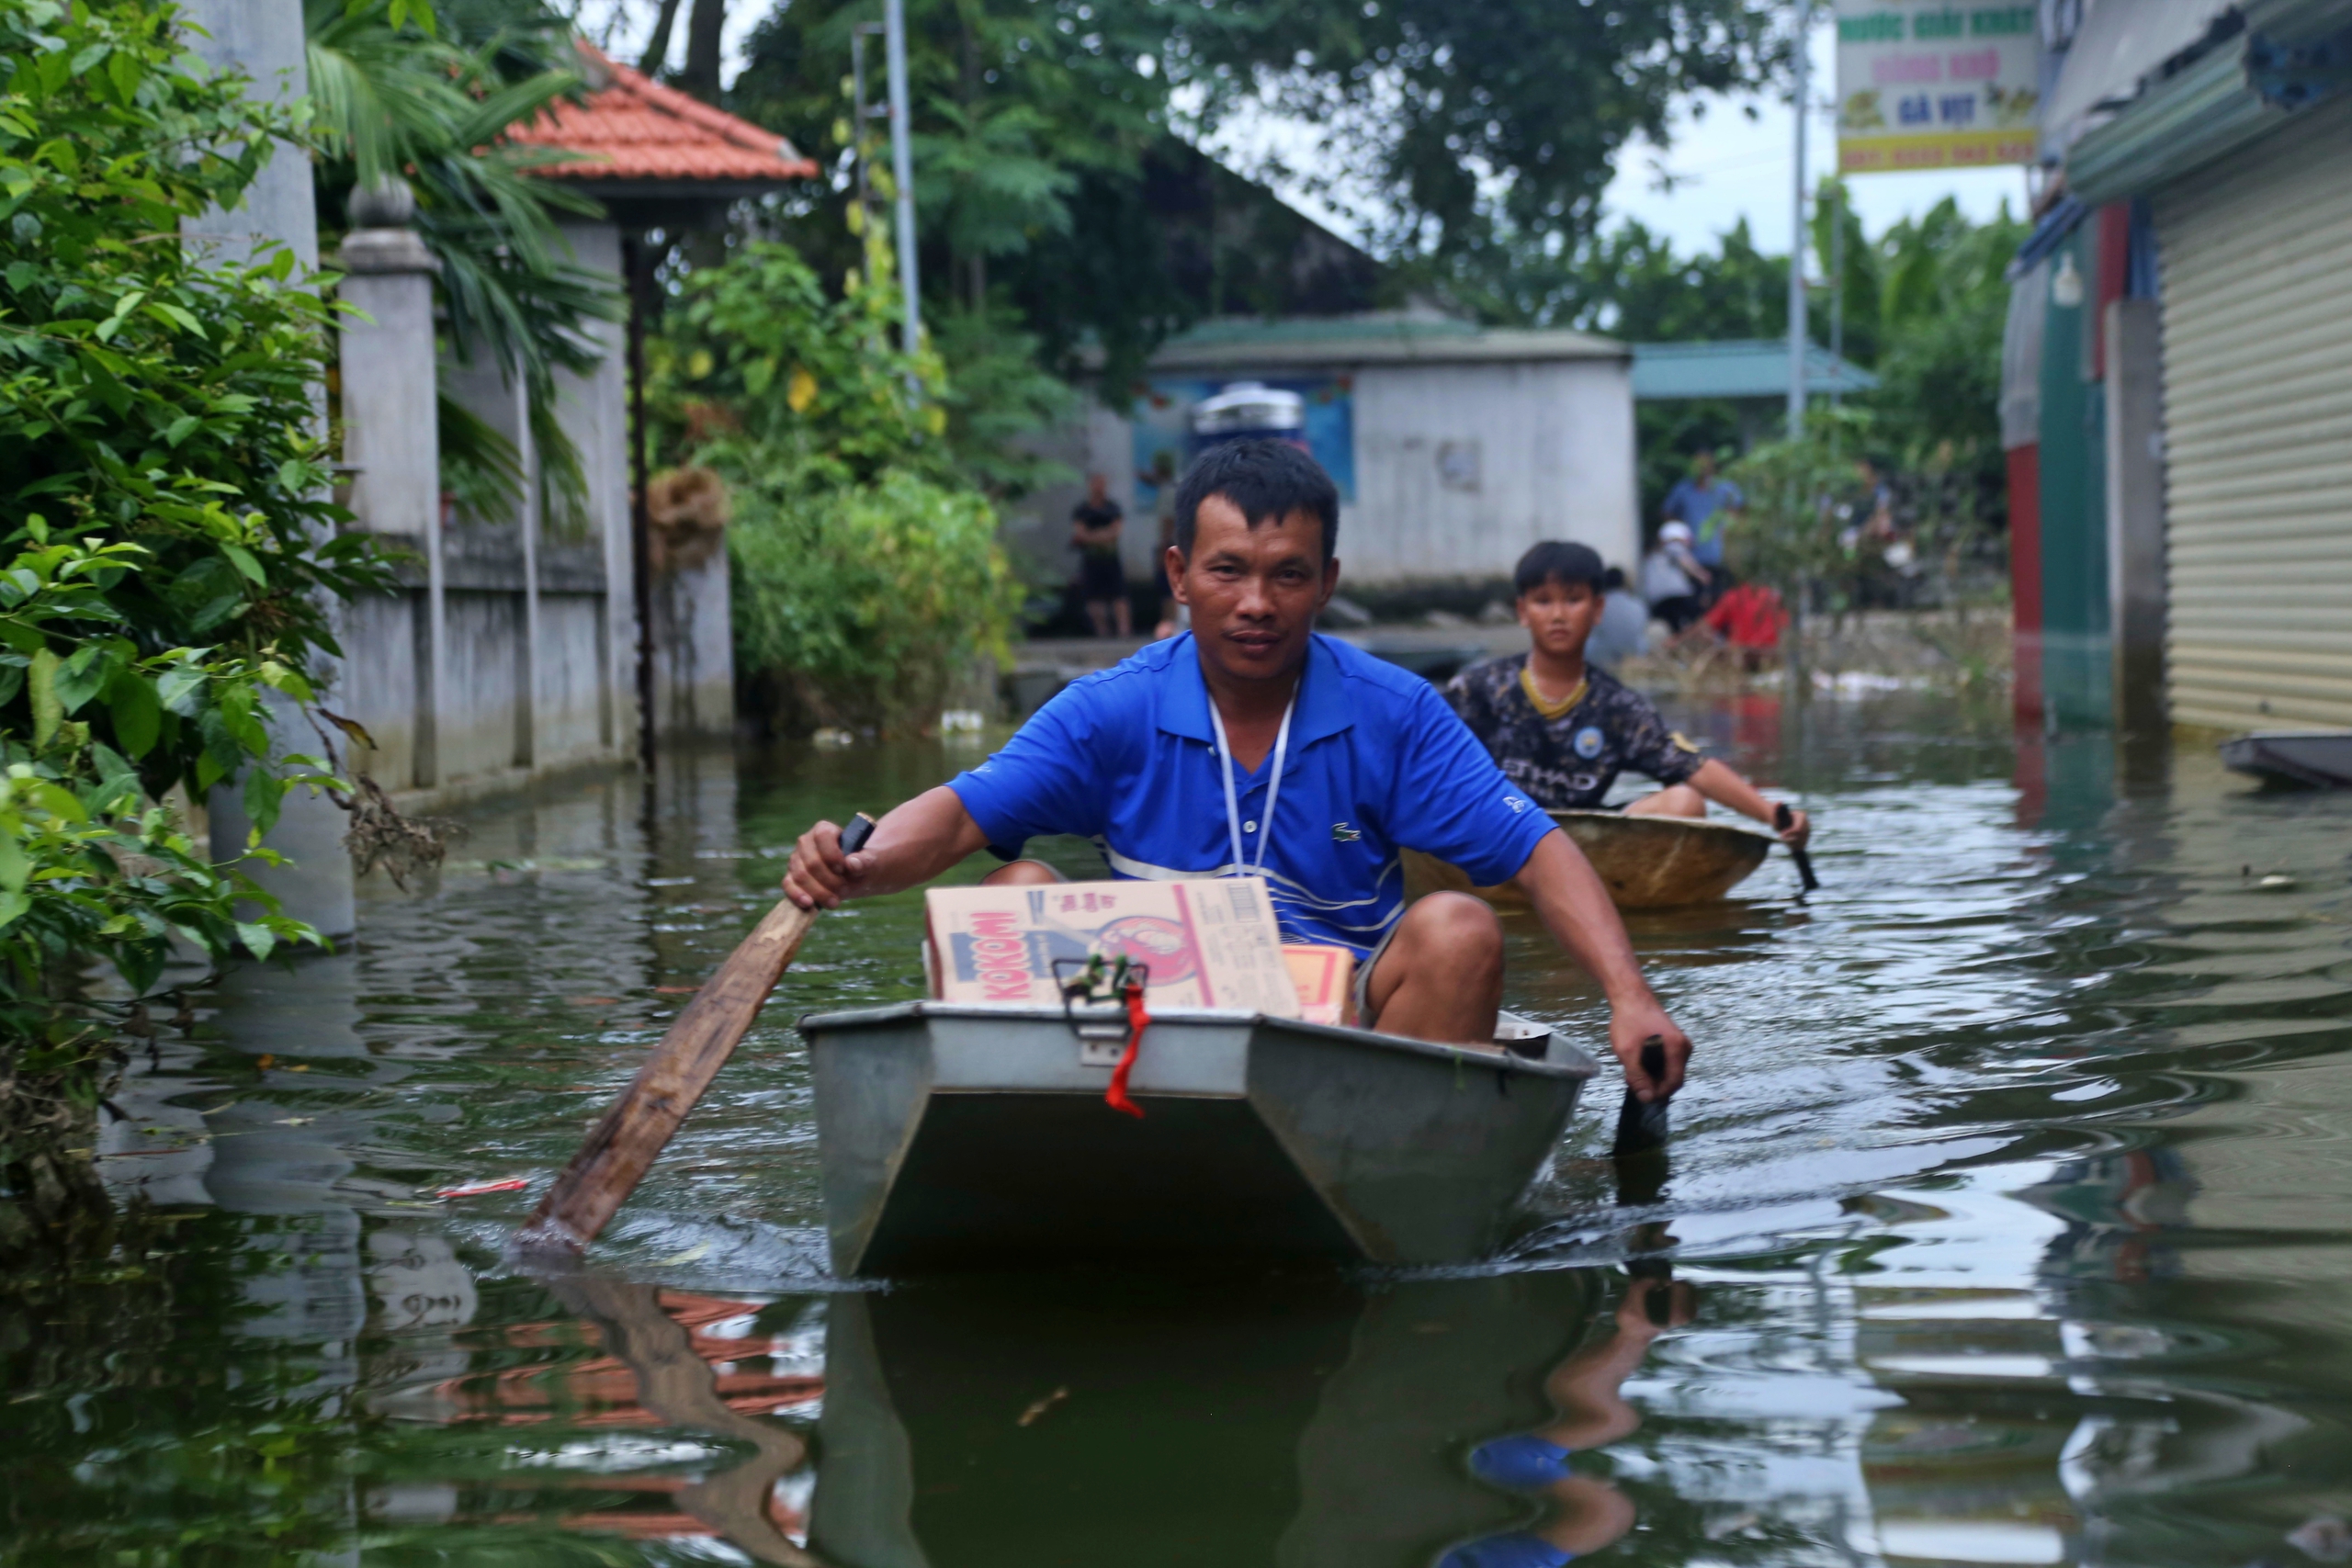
<point>693,651</point>
<point>1460,468</point>
<point>526,622</point>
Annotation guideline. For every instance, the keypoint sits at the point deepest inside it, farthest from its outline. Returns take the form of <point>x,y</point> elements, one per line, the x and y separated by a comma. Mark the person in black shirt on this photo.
<point>1563,730</point>
<point>1101,582</point>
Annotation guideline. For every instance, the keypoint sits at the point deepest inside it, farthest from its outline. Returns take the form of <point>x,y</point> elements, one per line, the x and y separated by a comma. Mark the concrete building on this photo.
<point>1454,447</point>
<point>526,643</point>
<point>2179,398</point>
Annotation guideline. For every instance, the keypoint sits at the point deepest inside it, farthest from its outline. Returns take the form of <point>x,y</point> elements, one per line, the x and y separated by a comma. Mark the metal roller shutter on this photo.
<point>2258,356</point>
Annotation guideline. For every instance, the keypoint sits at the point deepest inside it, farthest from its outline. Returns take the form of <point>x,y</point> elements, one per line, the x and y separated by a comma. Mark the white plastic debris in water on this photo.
<point>1855,682</point>
<point>833,737</point>
<point>2323,1540</point>
<point>961,721</point>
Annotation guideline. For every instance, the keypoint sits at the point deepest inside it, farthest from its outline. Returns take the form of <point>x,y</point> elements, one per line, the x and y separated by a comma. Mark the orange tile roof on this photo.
<point>632,129</point>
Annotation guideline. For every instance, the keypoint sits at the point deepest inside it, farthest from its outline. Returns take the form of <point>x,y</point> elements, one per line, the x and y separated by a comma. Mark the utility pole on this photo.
<point>1796,226</point>
<point>1837,284</point>
<point>902,165</point>
<point>862,112</point>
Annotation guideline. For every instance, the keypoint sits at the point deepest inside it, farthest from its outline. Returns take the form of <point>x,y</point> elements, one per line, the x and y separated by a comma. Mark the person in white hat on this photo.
<point>1672,578</point>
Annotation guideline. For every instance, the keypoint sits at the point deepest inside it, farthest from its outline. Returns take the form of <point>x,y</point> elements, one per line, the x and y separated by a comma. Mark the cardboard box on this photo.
<point>1208,944</point>
<point>1325,978</point>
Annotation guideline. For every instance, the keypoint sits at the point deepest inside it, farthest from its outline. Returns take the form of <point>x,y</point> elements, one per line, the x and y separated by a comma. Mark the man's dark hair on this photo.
<point>1558,561</point>
<point>1612,580</point>
<point>1265,481</point>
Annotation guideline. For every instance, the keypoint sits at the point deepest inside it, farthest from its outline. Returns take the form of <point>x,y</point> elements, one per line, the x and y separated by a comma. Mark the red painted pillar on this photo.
<point>2025,580</point>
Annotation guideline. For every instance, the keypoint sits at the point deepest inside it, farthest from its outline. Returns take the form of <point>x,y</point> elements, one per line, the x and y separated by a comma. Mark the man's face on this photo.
<point>1097,487</point>
<point>1704,464</point>
<point>1559,615</point>
<point>1254,592</point>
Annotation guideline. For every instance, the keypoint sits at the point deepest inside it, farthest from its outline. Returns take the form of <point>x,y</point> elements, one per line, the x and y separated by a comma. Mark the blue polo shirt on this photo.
<point>1378,762</point>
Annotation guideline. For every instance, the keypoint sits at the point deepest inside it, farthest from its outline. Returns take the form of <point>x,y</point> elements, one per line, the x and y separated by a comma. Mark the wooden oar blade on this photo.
<point>625,1143</point>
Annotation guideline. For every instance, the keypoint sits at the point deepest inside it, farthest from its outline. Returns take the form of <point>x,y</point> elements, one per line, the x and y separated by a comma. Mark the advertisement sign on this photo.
<point>1923,84</point>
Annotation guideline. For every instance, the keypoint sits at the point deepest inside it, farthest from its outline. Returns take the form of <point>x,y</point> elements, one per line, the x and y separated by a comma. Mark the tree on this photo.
<point>1466,126</point>
<point>1459,126</point>
<point>171,556</point>
<point>867,571</point>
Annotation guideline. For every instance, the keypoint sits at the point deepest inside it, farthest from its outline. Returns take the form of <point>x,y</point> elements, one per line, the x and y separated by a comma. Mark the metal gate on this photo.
<point>2257,379</point>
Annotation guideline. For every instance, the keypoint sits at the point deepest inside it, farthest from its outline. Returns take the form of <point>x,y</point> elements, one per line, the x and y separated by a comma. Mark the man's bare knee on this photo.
<point>1021,874</point>
<point>1459,928</point>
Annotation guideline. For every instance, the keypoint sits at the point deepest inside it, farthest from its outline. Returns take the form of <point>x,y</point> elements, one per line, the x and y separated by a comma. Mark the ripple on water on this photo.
<point>2006,1203</point>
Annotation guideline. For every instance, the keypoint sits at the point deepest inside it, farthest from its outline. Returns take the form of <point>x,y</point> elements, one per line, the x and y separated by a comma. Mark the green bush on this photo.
<point>868,573</point>
<point>171,555</point>
<point>758,357</point>
<point>868,599</point>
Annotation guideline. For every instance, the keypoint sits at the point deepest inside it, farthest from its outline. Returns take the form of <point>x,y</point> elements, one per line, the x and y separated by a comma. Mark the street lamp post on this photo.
<point>902,165</point>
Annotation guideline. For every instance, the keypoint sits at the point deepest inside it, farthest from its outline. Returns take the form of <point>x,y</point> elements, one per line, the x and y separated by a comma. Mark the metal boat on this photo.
<point>952,1135</point>
<point>2317,757</point>
<point>1647,862</point>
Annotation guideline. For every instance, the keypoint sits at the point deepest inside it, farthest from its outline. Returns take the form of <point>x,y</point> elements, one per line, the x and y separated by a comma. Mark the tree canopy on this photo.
<point>1446,132</point>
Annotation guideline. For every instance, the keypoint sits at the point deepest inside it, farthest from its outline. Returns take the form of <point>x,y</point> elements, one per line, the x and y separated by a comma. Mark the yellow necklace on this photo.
<point>1547,707</point>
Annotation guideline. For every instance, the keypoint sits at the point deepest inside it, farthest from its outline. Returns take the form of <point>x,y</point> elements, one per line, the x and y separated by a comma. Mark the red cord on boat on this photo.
<point>1115,1097</point>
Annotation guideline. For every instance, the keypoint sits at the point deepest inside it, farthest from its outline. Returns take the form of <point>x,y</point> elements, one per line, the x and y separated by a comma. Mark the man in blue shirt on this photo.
<point>1252,746</point>
<point>1707,505</point>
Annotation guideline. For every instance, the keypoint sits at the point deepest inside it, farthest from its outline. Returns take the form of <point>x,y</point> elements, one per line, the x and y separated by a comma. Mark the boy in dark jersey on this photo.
<point>1563,730</point>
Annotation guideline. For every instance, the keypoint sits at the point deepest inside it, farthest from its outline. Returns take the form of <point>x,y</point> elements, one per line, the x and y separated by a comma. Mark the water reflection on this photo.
<point>2007,1214</point>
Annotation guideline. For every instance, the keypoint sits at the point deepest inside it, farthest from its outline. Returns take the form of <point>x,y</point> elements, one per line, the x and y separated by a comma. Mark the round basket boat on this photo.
<point>1646,863</point>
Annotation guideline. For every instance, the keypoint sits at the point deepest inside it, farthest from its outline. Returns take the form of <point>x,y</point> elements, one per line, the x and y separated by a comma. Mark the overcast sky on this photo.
<point>1726,165</point>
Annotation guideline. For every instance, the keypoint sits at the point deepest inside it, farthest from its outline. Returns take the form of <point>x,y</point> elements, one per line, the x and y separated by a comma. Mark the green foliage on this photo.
<point>1925,306</point>
<point>162,481</point>
<point>866,599</point>
<point>866,569</point>
<point>758,352</point>
<point>1447,128</point>
<point>403,94</point>
<point>1788,534</point>
<point>1927,303</point>
<point>997,393</point>
<point>1450,127</point>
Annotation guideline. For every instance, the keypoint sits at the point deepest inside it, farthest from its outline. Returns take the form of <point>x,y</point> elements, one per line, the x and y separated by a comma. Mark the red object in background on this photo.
<point>2025,579</point>
<point>1749,617</point>
<point>633,129</point>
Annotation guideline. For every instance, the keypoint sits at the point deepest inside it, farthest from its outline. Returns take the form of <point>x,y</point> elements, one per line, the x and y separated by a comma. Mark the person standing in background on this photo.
<point>1705,506</point>
<point>1672,582</point>
<point>1094,526</point>
<point>1623,620</point>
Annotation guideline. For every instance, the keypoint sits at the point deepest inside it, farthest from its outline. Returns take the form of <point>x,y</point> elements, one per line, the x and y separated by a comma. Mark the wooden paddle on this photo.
<point>1782,817</point>
<point>625,1143</point>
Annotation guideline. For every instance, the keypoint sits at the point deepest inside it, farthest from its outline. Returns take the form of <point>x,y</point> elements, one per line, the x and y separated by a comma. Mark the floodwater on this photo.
<point>2006,1219</point>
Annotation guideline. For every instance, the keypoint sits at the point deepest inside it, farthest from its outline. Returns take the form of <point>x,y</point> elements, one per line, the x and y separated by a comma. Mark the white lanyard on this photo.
<point>1274,787</point>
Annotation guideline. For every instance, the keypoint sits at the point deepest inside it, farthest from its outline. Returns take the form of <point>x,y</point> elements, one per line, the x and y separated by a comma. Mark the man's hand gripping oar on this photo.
<point>624,1145</point>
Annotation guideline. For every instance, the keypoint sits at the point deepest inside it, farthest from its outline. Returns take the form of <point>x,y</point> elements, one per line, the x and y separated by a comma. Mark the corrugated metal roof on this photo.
<point>1738,367</point>
<point>632,129</point>
<point>2120,43</point>
<point>1302,342</point>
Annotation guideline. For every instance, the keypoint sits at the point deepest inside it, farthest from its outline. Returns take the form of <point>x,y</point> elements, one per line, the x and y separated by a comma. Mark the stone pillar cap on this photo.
<point>381,251</point>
